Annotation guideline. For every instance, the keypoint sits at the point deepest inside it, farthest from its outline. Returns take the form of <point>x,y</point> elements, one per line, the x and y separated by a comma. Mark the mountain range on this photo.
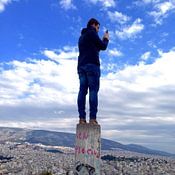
<point>54,138</point>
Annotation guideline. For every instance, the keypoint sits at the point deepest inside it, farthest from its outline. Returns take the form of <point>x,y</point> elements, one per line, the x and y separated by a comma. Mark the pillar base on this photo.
<point>87,150</point>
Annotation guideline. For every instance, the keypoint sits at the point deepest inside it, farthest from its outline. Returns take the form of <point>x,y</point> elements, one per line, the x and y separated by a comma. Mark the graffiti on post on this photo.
<point>79,150</point>
<point>84,169</point>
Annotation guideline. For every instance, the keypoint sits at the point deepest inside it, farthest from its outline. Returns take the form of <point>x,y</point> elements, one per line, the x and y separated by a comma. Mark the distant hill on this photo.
<point>50,138</point>
<point>68,140</point>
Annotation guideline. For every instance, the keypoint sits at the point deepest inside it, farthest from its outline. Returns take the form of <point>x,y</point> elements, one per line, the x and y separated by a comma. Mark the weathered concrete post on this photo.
<point>87,150</point>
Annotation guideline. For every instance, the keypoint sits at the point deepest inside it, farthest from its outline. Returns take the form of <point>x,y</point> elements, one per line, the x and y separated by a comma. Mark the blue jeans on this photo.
<point>89,76</point>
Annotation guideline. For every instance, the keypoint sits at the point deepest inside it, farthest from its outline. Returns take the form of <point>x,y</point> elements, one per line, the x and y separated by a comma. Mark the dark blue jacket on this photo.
<point>89,45</point>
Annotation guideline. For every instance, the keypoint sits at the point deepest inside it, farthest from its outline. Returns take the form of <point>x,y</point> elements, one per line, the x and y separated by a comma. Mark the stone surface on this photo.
<point>87,150</point>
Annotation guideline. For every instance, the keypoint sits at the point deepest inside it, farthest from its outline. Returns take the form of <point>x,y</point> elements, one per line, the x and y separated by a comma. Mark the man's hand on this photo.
<point>106,35</point>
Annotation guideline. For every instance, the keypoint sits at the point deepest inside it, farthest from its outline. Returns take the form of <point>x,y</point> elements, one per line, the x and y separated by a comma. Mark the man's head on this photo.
<point>94,23</point>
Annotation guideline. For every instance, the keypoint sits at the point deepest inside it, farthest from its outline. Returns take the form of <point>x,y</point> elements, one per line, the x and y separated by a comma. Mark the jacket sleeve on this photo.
<point>100,44</point>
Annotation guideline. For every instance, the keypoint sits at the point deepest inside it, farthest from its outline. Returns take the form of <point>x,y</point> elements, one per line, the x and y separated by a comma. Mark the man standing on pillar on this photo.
<point>89,45</point>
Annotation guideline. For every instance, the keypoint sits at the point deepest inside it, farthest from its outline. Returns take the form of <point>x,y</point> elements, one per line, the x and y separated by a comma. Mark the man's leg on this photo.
<point>93,83</point>
<point>93,96</point>
<point>82,95</point>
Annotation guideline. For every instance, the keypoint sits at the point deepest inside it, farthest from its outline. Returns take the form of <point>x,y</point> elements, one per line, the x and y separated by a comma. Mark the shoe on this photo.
<point>93,122</point>
<point>82,121</point>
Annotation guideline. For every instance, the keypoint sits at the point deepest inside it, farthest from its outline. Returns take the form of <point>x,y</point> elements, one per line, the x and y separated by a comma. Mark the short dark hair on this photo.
<point>92,21</point>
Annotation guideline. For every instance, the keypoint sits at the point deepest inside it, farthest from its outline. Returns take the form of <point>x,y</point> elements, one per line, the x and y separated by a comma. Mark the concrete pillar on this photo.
<point>87,150</point>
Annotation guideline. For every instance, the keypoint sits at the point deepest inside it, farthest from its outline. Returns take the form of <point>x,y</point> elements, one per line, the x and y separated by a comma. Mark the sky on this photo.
<point>38,67</point>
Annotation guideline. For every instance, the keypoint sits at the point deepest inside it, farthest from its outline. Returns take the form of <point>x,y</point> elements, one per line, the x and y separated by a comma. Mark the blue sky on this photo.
<point>38,60</point>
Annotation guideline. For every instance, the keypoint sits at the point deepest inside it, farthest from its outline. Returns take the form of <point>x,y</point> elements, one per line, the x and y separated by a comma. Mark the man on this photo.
<point>89,68</point>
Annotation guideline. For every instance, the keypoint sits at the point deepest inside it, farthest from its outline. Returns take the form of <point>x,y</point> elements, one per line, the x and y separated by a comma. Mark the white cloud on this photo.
<point>67,4</point>
<point>105,3</point>
<point>130,31</point>
<point>142,75</point>
<point>146,2</point>
<point>114,52</point>
<point>162,10</point>
<point>145,56</point>
<point>118,17</point>
<point>3,3</point>
<point>165,7</point>
<point>140,95</point>
<point>39,82</point>
<point>108,3</point>
<point>138,99</point>
<point>67,52</point>
<point>109,67</point>
<point>151,1</point>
